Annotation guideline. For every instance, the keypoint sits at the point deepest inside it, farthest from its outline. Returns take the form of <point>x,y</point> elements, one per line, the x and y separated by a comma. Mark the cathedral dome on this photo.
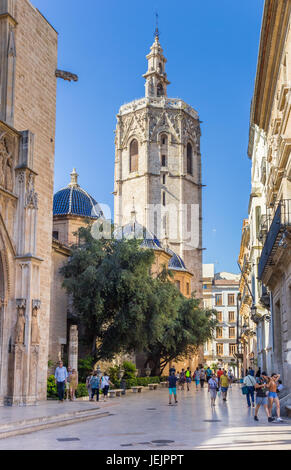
<point>176,261</point>
<point>73,200</point>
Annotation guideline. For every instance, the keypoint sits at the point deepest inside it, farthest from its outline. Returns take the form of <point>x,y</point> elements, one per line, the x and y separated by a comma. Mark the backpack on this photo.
<point>95,382</point>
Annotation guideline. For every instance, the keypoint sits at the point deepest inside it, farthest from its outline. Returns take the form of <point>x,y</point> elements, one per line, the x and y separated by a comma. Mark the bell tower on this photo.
<point>158,162</point>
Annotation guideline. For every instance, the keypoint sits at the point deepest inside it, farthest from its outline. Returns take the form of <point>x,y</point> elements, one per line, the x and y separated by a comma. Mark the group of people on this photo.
<point>95,383</point>
<point>265,387</point>
<point>66,382</point>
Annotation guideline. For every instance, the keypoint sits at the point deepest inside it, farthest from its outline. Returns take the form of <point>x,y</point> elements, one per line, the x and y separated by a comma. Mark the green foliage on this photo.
<point>51,387</point>
<point>129,370</point>
<point>81,391</point>
<point>85,366</point>
<point>123,308</point>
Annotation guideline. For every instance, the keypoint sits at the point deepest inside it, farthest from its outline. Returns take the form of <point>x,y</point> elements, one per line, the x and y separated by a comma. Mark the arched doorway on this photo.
<point>2,294</point>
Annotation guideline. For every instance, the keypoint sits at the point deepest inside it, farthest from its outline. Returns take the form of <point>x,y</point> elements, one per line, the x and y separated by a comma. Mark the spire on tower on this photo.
<point>156,77</point>
<point>74,178</point>
<point>157,32</point>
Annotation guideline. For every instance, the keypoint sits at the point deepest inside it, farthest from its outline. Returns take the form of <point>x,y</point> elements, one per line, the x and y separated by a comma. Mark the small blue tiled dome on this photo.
<point>176,261</point>
<point>73,200</point>
<point>135,230</point>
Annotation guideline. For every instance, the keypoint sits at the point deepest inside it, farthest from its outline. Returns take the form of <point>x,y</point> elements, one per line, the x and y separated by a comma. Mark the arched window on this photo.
<point>133,156</point>
<point>160,90</point>
<point>164,139</point>
<point>189,160</point>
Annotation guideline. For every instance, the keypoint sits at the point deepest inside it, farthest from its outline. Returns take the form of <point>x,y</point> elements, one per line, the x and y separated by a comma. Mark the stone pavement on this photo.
<point>145,421</point>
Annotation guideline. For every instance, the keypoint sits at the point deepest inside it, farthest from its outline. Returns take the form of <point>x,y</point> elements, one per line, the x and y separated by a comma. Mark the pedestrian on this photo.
<point>61,376</point>
<point>224,383</point>
<point>88,380</point>
<point>259,373</point>
<point>105,383</point>
<point>95,386</point>
<point>73,382</point>
<point>251,372</point>
<point>219,374</point>
<point>202,377</point>
<point>273,396</point>
<point>172,379</point>
<point>213,388</point>
<point>182,379</point>
<point>230,377</point>
<point>188,378</point>
<point>69,370</point>
<point>172,369</point>
<point>250,383</point>
<point>208,373</point>
<point>261,389</point>
<point>196,377</point>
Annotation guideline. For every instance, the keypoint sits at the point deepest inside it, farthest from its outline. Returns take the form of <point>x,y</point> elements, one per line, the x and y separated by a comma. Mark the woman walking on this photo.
<point>105,383</point>
<point>202,377</point>
<point>273,396</point>
<point>196,377</point>
<point>213,388</point>
<point>73,384</point>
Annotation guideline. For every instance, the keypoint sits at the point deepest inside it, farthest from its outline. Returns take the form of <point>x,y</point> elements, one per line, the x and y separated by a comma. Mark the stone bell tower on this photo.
<point>158,163</point>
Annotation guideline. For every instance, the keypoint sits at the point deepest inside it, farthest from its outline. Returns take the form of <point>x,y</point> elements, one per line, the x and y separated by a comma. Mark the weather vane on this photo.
<point>157,33</point>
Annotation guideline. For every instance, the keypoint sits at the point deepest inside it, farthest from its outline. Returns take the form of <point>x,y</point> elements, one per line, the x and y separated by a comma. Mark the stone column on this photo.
<point>73,347</point>
<point>34,352</point>
<point>19,354</point>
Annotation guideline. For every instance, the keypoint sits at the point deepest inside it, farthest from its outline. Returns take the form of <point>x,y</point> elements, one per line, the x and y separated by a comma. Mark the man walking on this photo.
<point>61,376</point>
<point>188,378</point>
<point>172,379</point>
<point>273,396</point>
<point>250,383</point>
<point>224,383</point>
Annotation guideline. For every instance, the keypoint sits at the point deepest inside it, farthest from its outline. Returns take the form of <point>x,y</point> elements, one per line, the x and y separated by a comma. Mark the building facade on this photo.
<point>158,164</point>
<point>220,292</point>
<point>269,148</point>
<point>27,140</point>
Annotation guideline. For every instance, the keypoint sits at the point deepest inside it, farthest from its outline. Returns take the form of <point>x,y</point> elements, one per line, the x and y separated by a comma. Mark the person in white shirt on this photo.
<point>105,384</point>
<point>250,383</point>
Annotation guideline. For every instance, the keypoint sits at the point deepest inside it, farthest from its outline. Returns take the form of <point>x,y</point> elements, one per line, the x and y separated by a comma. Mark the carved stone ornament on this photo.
<point>31,197</point>
<point>35,335</point>
<point>20,324</point>
<point>6,165</point>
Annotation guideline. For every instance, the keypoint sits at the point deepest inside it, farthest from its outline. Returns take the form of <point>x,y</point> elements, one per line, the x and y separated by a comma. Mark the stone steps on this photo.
<point>45,422</point>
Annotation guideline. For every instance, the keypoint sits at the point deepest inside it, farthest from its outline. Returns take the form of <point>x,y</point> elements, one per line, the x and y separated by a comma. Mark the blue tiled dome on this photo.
<point>176,261</point>
<point>73,200</point>
<point>135,230</point>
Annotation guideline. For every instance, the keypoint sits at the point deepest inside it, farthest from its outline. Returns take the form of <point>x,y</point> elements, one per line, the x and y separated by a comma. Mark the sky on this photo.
<point>211,47</point>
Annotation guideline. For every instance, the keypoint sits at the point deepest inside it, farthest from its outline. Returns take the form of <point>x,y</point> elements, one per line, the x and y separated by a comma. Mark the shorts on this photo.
<point>224,389</point>
<point>213,392</point>
<point>173,390</point>
<point>273,395</point>
<point>261,400</point>
<point>188,380</point>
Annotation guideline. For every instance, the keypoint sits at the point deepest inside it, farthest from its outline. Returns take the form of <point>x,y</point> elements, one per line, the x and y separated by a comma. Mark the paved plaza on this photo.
<point>145,421</point>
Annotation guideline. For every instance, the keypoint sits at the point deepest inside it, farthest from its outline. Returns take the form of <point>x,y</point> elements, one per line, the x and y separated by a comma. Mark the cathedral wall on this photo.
<point>35,109</point>
<point>59,307</point>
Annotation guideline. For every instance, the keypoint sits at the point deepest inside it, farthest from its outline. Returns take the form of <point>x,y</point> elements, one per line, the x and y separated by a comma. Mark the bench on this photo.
<point>118,392</point>
<point>136,389</point>
<point>288,408</point>
<point>153,386</point>
<point>112,393</point>
<point>164,384</point>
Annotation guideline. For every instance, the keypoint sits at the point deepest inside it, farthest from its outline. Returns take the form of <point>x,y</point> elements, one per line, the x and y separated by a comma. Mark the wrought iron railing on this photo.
<point>281,220</point>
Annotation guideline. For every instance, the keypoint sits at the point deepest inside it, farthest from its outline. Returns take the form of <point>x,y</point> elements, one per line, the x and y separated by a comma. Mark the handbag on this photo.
<point>245,390</point>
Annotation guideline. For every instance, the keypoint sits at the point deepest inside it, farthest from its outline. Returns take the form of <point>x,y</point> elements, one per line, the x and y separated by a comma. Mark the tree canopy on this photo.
<point>123,308</point>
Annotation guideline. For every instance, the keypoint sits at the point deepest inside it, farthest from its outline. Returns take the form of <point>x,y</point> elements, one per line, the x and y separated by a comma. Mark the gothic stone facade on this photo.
<point>158,167</point>
<point>27,132</point>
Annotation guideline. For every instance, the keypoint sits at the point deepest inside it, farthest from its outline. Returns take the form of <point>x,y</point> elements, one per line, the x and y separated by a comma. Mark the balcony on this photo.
<point>280,223</point>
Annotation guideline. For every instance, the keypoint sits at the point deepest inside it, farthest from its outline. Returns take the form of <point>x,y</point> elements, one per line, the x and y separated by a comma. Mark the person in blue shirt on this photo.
<point>172,379</point>
<point>61,376</point>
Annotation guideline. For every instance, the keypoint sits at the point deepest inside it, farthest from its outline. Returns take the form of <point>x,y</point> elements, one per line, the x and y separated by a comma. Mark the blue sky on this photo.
<point>212,49</point>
